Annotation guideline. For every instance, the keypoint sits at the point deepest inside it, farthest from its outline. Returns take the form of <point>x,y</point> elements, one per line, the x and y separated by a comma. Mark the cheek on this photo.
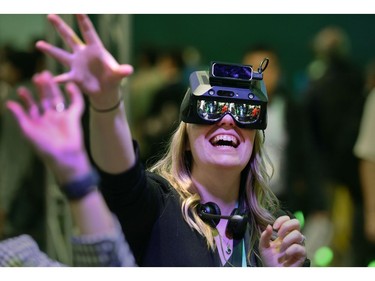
<point>197,147</point>
<point>196,144</point>
<point>248,150</point>
<point>195,137</point>
<point>250,143</point>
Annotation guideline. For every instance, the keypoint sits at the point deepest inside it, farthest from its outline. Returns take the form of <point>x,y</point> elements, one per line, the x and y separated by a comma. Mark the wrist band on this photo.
<point>82,186</point>
<point>117,105</point>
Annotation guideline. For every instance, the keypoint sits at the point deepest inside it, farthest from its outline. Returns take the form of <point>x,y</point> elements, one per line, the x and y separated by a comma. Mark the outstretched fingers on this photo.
<point>64,77</point>
<point>18,113</point>
<point>67,34</point>
<point>49,92</point>
<point>30,105</point>
<point>76,99</point>
<point>91,37</point>
<point>23,114</point>
<point>60,55</point>
<point>88,31</point>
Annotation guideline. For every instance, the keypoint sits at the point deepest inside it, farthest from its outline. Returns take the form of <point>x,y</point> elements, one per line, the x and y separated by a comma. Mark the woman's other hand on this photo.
<point>288,248</point>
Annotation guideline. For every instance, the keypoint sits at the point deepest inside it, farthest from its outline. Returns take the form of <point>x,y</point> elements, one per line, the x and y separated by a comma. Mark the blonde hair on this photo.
<point>262,203</point>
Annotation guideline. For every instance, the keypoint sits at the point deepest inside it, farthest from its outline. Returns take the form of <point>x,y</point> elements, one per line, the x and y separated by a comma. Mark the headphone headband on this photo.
<point>237,223</point>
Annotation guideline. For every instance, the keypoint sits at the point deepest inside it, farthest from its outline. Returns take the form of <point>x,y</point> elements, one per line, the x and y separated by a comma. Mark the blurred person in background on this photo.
<point>145,81</point>
<point>151,74</point>
<point>157,89</point>
<point>365,150</point>
<point>161,120</point>
<point>333,106</point>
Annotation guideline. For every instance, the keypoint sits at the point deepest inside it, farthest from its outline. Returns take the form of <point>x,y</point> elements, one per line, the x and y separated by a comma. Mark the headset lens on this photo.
<point>244,113</point>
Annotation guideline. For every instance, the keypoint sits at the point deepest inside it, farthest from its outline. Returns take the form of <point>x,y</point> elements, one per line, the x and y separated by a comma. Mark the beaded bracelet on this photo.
<point>82,186</point>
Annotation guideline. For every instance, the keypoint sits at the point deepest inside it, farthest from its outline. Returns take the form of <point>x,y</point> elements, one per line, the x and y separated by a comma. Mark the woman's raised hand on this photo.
<point>90,65</point>
<point>53,127</point>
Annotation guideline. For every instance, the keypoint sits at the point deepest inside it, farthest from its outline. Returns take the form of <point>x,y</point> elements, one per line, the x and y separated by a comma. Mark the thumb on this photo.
<point>265,238</point>
<point>124,70</point>
<point>63,78</point>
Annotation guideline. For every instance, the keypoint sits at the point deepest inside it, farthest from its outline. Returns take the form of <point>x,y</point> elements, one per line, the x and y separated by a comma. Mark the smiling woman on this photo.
<point>217,162</point>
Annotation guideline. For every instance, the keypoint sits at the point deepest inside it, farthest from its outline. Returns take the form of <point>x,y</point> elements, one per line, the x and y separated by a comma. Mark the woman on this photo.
<point>164,212</point>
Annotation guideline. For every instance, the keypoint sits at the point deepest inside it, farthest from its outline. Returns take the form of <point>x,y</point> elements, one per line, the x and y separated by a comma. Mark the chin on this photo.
<point>229,161</point>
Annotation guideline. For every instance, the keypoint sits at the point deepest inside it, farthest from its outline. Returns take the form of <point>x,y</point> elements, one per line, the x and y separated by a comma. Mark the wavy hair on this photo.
<point>175,166</point>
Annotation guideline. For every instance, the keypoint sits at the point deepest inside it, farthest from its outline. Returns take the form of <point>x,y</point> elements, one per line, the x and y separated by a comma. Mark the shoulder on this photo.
<point>161,182</point>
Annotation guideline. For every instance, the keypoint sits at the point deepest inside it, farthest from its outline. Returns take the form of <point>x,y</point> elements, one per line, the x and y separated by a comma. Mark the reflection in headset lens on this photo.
<point>212,110</point>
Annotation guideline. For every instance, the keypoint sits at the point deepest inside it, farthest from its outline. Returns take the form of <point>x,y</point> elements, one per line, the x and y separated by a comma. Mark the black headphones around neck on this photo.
<point>237,222</point>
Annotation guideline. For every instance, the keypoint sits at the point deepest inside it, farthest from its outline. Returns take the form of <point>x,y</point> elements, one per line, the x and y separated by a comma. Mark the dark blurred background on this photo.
<point>221,37</point>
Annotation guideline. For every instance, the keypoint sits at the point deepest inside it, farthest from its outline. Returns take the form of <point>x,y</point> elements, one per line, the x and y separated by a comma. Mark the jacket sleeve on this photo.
<point>23,251</point>
<point>110,249</point>
<point>137,199</point>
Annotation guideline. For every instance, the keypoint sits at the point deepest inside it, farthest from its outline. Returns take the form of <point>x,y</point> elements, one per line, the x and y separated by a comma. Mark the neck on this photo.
<point>221,188</point>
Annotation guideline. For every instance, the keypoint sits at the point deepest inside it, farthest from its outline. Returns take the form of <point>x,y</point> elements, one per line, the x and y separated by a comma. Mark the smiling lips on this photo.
<point>225,140</point>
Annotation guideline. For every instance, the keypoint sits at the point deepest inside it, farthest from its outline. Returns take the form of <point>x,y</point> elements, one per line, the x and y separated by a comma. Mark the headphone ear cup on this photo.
<point>205,210</point>
<point>236,226</point>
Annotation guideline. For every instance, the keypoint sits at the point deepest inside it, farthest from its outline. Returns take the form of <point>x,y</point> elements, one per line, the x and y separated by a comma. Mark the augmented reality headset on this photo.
<point>233,89</point>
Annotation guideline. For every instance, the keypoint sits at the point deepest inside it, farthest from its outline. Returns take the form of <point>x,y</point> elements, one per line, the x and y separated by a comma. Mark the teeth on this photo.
<point>225,138</point>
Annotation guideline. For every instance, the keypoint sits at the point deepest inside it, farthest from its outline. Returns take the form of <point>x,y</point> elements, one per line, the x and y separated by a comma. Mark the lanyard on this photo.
<point>238,258</point>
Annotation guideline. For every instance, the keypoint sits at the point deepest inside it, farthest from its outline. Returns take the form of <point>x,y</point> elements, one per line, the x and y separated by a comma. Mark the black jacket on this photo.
<point>149,211</point>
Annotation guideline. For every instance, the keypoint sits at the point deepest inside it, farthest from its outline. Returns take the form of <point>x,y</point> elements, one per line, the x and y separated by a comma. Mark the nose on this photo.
<point>227,120</point>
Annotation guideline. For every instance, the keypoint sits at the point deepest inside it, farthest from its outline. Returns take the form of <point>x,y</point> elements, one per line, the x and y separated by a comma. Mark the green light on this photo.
<point>300,217</point>
<point>323,256</point>
<point>371,264</point>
